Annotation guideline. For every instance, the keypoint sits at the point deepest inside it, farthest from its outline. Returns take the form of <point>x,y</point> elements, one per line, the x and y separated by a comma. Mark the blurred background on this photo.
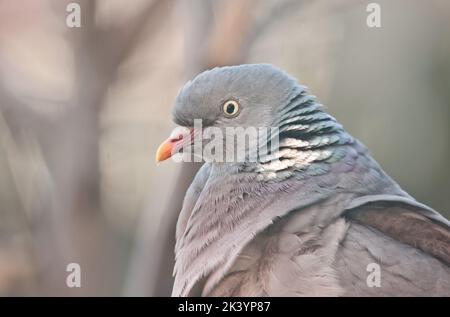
<point>82,111</point>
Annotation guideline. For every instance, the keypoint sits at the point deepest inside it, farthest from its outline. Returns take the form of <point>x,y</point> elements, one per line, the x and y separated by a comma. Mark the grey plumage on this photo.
<point>305,220</point>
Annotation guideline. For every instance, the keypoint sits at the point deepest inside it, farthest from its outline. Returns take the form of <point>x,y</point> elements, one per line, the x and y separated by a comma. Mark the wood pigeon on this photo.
<point>313,216</point>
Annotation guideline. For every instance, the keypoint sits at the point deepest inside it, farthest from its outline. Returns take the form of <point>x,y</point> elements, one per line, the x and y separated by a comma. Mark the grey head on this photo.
<point>259,89</point>
<point>264,96</point>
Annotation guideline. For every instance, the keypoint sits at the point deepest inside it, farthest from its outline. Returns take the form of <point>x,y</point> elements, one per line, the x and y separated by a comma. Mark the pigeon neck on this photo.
<point>309,141</point>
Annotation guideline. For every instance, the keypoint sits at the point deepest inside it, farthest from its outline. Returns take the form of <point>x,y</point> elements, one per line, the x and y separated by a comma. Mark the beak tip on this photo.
<point>163,152</point>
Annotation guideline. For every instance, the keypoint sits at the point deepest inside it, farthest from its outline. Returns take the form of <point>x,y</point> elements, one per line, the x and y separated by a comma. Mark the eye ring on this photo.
<point>231,108</point>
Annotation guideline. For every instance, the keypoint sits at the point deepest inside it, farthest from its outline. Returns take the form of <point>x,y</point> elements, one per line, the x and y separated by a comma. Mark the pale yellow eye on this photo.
<point>231,108</point>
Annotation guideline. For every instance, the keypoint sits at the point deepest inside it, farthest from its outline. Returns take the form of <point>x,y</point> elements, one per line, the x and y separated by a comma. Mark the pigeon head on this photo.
<point>258,97</point>
<point>245,96</point>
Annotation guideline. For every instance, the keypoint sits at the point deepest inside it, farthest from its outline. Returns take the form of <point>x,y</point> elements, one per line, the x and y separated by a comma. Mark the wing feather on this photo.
<point>406,221</point>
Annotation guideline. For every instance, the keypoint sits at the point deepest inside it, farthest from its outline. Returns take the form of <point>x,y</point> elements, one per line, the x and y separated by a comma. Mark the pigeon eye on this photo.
<point>231,108</point>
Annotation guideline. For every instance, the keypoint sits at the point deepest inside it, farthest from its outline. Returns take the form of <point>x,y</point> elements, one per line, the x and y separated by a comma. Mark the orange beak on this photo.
<point>164,151</point>
<point>174,143</point>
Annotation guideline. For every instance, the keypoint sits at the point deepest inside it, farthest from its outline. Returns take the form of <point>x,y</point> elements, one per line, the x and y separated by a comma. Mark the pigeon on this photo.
<point>314,216</point>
